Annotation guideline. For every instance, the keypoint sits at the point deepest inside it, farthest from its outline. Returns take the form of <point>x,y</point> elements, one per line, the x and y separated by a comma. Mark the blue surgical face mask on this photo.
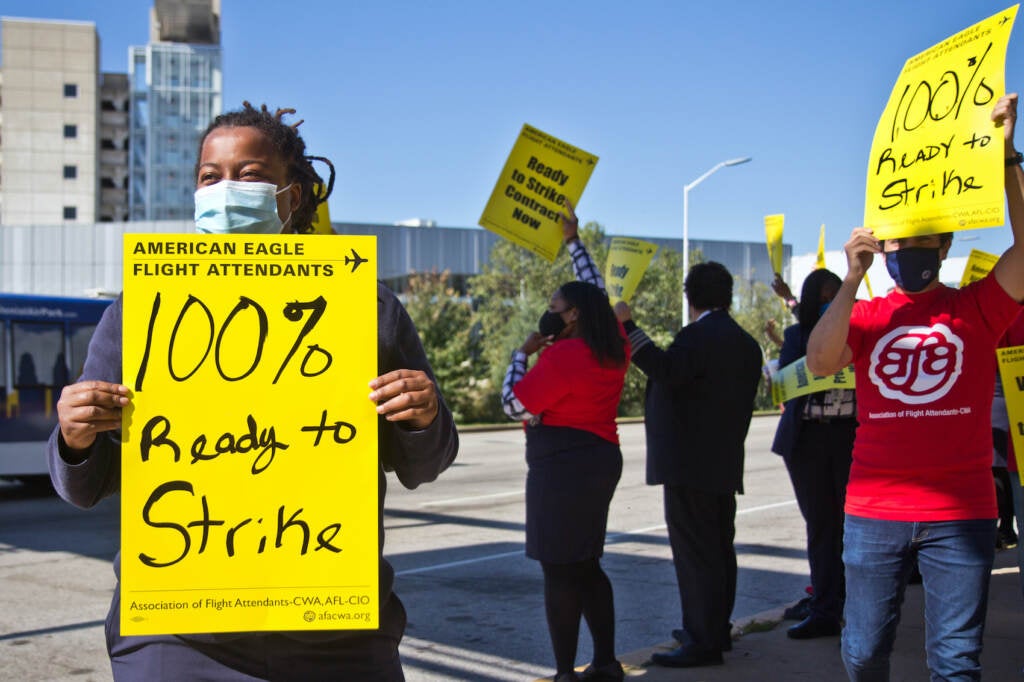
<point>234,207</point>
<point>914,267</point>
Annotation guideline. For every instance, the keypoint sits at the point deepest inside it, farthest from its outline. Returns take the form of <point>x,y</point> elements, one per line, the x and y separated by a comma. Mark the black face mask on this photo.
<point>551,324</point>
<point>913,268</point>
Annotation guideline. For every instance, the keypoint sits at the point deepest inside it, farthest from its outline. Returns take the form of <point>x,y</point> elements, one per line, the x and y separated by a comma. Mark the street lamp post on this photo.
<point>686,222</point>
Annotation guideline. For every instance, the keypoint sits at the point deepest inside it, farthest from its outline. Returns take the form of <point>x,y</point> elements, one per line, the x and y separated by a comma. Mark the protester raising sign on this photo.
<point>936,161</point>
<point>540,174</point>
<point>249,482</point>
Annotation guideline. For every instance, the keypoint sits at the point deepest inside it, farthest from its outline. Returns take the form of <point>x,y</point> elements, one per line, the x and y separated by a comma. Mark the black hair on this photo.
<point>709,286</point>
<point>286,140</point>
<point>596,323</point>
<point>809,311</point>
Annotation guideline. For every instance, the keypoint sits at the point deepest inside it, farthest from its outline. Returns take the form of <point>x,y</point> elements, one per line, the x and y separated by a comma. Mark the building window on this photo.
<point>70,132</point>
<point>70,213</point>
<point>70,172</point>
<point>70,90</point>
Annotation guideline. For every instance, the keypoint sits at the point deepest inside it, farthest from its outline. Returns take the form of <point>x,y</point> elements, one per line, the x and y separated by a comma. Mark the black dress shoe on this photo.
<point>687,656</point>
<point>814,626</point>
<point>609,672</point>
<point>683,637</point>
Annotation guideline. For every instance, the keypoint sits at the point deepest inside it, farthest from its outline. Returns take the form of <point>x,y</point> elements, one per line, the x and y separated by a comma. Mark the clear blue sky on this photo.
<point>418,103</point>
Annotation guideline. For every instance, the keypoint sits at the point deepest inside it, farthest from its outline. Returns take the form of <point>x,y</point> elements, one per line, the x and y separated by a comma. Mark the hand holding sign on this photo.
<point>406,395</point>
<point>860,251</point>
<point>1005,116</point>
<point>87,408</point>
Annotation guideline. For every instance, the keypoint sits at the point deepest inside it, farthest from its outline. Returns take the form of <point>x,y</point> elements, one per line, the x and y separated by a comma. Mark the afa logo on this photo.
<point>917,365</point>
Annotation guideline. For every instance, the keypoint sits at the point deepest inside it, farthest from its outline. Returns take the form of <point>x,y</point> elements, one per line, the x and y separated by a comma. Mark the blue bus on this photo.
<point>43,341</point>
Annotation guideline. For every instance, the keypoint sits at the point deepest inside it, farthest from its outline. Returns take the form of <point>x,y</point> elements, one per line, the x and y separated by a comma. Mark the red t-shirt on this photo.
<point>925,377</point>
<point>567,387</point>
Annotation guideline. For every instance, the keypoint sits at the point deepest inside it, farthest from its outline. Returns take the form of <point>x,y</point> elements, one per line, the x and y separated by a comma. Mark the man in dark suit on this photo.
<point>699,399</point>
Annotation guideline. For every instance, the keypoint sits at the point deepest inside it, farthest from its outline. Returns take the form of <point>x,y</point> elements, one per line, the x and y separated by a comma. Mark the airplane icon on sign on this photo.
<point>355,259</point>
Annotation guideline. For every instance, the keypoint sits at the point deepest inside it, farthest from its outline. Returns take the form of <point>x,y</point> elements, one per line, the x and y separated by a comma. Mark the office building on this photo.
<point>176,90</point>
<point>49,122</point>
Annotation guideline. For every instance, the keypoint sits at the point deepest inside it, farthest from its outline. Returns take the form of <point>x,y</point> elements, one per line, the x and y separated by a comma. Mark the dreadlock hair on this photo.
<point>596,322</point>
<point>809,311</point>
<point>286,140</point>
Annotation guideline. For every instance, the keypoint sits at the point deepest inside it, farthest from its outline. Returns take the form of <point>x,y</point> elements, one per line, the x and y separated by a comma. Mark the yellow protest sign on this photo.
<point>540,173</point>
<point>249,486</point>
<point>627,262</point>
<point>979,264</point>
<point>322,217</point>
<point>773,237</point>
<point>1011,373</point>
<point>936,162</point>
<point>820,263</point>
<point>795,380</point>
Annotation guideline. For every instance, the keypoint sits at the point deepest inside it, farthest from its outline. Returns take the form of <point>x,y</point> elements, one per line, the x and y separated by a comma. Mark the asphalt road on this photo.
<point>475,602</point>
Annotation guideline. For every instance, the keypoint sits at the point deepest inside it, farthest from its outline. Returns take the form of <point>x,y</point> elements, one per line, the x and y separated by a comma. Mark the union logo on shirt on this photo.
<point>917,365</point>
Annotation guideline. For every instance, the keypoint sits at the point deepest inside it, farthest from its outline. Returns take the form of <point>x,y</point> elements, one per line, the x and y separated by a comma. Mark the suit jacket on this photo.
<point>699,399</point>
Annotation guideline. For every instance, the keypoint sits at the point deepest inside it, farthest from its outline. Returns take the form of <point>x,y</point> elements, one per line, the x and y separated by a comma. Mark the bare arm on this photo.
<point>1009,271</point>
<point>827,350</point>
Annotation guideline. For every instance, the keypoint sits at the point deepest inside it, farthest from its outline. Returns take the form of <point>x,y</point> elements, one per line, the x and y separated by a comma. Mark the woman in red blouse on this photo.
<point>568,401</point>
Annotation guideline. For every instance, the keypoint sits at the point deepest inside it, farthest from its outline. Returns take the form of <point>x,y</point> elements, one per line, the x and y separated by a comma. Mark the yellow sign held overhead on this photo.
<point>249,493</point>
<point>322,217</point>
<point>1011,373</point>
<point>627,262</point>
<point>773,236</point>
<point>979,264</point>
<point>936,162</point>
<point>820,264</point>
<point>540,174</point>
<point>795,380</point>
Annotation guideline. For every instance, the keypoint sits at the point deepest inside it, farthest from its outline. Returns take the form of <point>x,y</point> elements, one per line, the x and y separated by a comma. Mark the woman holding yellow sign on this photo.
<point>568,402</point>
<point>815,438</point>
<point>253,177</point>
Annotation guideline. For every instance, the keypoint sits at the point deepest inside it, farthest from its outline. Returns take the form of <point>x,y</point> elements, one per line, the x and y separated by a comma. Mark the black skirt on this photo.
<point>570,482</point>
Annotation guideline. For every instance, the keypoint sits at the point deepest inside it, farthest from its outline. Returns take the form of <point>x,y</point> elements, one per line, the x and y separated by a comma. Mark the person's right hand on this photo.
<point>782,289</point>
<point>570,223</point>
<point>623,312</point>
<point>860,251</point>
<point>87,408</point>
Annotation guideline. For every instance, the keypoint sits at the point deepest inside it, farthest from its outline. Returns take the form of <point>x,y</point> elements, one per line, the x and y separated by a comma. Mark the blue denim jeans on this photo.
<point>955,560</point>
<point>1018,511</point>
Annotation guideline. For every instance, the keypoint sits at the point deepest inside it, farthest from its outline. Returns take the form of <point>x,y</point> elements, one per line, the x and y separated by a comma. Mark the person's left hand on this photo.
<point>535,341</point>
<point>406,395</point>
<point>570,223</point>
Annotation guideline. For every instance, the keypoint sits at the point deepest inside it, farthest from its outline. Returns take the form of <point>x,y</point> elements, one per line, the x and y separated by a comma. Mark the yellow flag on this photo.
<point>936,162</point>
<point>795,380</point>
<point>1011,373</point>
<point>249,455</point>
<point>540,173</point>
<point>821,248</point>
<point>322,217</point>
<point>978,265</point>
<point>627,262</point>
<point>773,236</point>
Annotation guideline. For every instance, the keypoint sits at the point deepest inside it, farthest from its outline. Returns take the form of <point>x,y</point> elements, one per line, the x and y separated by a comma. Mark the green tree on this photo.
<point>754,304</point>
<point>444,321</point>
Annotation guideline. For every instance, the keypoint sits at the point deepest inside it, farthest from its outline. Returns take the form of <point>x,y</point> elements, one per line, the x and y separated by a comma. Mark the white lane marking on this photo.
<point>460,500</point>
<point>612,537</point>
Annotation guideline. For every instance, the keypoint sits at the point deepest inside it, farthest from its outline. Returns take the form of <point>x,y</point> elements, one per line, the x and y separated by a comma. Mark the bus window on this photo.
<point>39,360</point>
<point>80,335</point>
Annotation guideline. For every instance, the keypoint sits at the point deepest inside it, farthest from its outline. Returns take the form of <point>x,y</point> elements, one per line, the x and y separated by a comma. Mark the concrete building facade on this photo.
<point>49,122</point>
<point>176,90</point>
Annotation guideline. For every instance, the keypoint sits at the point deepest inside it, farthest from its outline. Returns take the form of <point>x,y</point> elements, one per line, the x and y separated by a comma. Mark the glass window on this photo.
<point>70,213</point>
<point>70,172</point>
<point>70,131</point>
<point>38,354</point>
<point>70,90</point>
<point>80,336</point>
